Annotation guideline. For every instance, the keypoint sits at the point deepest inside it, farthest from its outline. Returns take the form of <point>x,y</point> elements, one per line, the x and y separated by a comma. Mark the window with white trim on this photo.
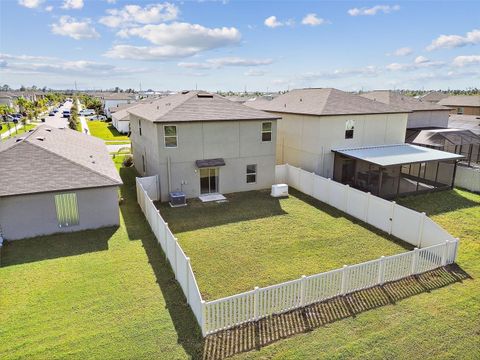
<point>170,136</point>
<point>251,173</point>
<point>267,131</point>
<point>67,209</point>
<point>460,110</point>
<point>349,127</point>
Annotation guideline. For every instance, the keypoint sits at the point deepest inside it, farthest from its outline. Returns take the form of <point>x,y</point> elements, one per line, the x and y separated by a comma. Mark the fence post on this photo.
<point>255,304</point>
<point>204,318</point>
<point>166,241</point>
<point>347,188</point>
<point>302,290</point>
<point>445,253</point>
<point>175,249</point>
<point>343,288</point>
<point>392,214</point>
<point>381,270</point>
<point>420,230</point>
<point>188,280</point>
<point>413,270</point>
<point>367,206</point>
<point>457,241</point>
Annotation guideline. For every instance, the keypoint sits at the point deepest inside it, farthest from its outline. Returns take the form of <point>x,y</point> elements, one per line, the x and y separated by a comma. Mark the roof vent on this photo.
<point>158,107</point>
<point>185,92</point>
<point>206,96</point>
<point>49,130</point>
<point>40,138</point>
<point>19,139</point>
<point>284,105</point>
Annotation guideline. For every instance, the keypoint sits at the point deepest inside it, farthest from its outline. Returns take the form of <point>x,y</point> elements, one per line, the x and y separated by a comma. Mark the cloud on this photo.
<point>418,63</point>
<point>173,40</point>
<point>313,20</point>
<point>76,29</point>
<point>48,8</point>
<point>255,72</point>
<point>31,4</point>
<point>465,60</point>
<point>369,71</point>
<point>111,1</point>
<point>222,62</point>
<point>455,41</point>
<point>72,4</point>
<point>272,22</point>
<point>403,51</point>
<point>131,15</point>
<point>386,9</point>
<point>51,65</point>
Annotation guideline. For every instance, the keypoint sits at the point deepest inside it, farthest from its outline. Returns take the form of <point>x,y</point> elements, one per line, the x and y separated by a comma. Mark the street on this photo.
<point>58,120</point>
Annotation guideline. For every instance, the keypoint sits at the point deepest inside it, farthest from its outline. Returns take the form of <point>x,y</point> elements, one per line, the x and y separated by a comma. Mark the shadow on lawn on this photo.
<point>438,202</point>
<point>254,336</point>
<point>56,246</point>
<point>189,333</point>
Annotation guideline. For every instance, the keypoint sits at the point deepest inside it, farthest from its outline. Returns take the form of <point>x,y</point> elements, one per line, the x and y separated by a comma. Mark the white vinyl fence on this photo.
<point>434,248</point>
<point>468,178</point>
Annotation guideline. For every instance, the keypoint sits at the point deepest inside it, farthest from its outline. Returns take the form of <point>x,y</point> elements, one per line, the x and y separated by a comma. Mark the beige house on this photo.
<point>356,141</point>
<point>463,105</point>
<point>423,114</point>
<point>200,143</point>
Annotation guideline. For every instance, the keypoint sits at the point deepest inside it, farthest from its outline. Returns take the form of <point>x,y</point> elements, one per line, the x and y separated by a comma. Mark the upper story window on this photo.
<point>460,111</point>
<point>267,131</point>
<point>349,127</point>
<point>170,136</point>
<point>140,127</point>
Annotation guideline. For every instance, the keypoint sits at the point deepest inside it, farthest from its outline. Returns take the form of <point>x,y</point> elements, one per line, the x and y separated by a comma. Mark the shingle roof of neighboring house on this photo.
<point>461,100</point>
<point>197,106</point>
<point>468,122</point>
<point>405,102</point>
<point>324,102</point>
<point>50,159</point>
<point>434,96</point>
<point>116,96</point>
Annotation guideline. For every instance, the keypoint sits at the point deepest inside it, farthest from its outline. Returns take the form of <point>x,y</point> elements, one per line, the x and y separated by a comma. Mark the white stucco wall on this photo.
<point>422,119</point>
<point>107,104</point>
<point>27,216</point>
<point>306,141</point>
<point>237,142</point>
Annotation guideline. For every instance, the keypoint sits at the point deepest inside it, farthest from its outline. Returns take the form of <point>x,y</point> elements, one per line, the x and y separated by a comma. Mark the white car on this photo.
<point>97,117</point>
<point>86,112</point>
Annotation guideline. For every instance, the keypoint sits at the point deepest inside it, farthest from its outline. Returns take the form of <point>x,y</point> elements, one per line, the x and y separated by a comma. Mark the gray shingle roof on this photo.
<point>324,102</point>
<point>461,100</point>
<point>434,96</point>
<point>196,106</point>
<point>50,159</point>
<point>405,102</point>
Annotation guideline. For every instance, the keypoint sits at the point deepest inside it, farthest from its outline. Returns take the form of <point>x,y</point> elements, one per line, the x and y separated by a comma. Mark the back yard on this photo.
<point>256,240</point>
<point>110,294</point>
<point>106,131</point>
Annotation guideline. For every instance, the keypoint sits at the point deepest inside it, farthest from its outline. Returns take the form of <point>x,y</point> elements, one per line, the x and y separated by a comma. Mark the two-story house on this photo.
<point>356,141</point>
<point>201,143</point>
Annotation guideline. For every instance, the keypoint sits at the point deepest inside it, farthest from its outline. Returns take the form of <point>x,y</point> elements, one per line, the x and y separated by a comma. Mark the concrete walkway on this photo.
<point>84,124</point>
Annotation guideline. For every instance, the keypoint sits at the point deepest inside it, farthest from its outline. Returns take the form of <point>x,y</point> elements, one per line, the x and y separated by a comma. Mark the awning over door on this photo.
<point>208,163</point>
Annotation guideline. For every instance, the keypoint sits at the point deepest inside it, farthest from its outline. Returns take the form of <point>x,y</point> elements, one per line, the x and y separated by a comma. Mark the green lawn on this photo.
<point>108,294</point>
<point>256,240</point>
<point>105,130</point>
<point>22,130</point>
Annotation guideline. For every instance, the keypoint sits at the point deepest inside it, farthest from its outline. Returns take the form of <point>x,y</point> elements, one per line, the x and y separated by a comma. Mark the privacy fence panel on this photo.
<point>407,224</point>
<point>357,204</point>
<point>379,212</point>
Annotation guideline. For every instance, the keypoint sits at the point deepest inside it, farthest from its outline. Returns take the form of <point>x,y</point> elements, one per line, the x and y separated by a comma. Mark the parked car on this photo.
<point>66,113</point>
<point>86,112</point>
<point>97,117</point>
<point>51,113</point>
<point>55,110</point>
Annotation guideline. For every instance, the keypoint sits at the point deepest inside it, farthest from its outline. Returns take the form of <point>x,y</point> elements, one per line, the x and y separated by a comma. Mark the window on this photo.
<point>349,127</point>
<point>267,131</point>
<point>143,164</point>
<point>67,209</point>
<point>170,136</point>
<point>251,173</point>
<point>460,111</point>
<point>140,127</point>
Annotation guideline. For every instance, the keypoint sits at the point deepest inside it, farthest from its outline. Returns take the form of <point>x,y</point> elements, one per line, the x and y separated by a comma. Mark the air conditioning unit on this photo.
<point>177,199</point>
<point>279,190</point>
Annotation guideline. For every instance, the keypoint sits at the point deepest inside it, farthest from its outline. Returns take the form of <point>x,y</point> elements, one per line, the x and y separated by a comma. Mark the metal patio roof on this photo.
<point>398,154</point>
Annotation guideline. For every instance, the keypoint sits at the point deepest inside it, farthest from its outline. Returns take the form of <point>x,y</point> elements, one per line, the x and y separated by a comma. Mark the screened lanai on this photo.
<point>457,141</point>
<point>389,171</point>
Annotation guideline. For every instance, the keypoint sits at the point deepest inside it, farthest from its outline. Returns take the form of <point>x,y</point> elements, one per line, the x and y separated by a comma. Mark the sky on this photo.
<point>240,45</point>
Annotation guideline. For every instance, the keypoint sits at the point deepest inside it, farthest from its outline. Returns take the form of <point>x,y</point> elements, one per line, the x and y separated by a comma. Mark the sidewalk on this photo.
<point>84,124</point>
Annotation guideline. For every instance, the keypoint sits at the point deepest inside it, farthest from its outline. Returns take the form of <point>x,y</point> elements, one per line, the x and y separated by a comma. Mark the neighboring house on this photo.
<point>355,141</point>
<point>56,180</point>
<point>8,100</point>
<point>111,100</point>
<point>121,117</point>
<point>434,96</point>
<point>201,143</point>
<point>463,105</point>
<point>423,114</point>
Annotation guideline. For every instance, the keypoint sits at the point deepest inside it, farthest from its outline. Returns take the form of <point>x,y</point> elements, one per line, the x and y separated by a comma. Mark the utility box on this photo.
<point>177,198</point>
<point>279,190</point>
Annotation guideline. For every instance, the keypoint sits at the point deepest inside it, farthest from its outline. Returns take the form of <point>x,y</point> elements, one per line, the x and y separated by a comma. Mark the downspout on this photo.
<point>169,177</point>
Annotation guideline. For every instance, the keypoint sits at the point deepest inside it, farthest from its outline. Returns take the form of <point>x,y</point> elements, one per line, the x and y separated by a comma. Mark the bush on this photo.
<point>127,161</point>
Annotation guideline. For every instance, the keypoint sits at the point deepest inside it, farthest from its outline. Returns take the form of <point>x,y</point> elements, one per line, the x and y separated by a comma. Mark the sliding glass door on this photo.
<point>208,180</point>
